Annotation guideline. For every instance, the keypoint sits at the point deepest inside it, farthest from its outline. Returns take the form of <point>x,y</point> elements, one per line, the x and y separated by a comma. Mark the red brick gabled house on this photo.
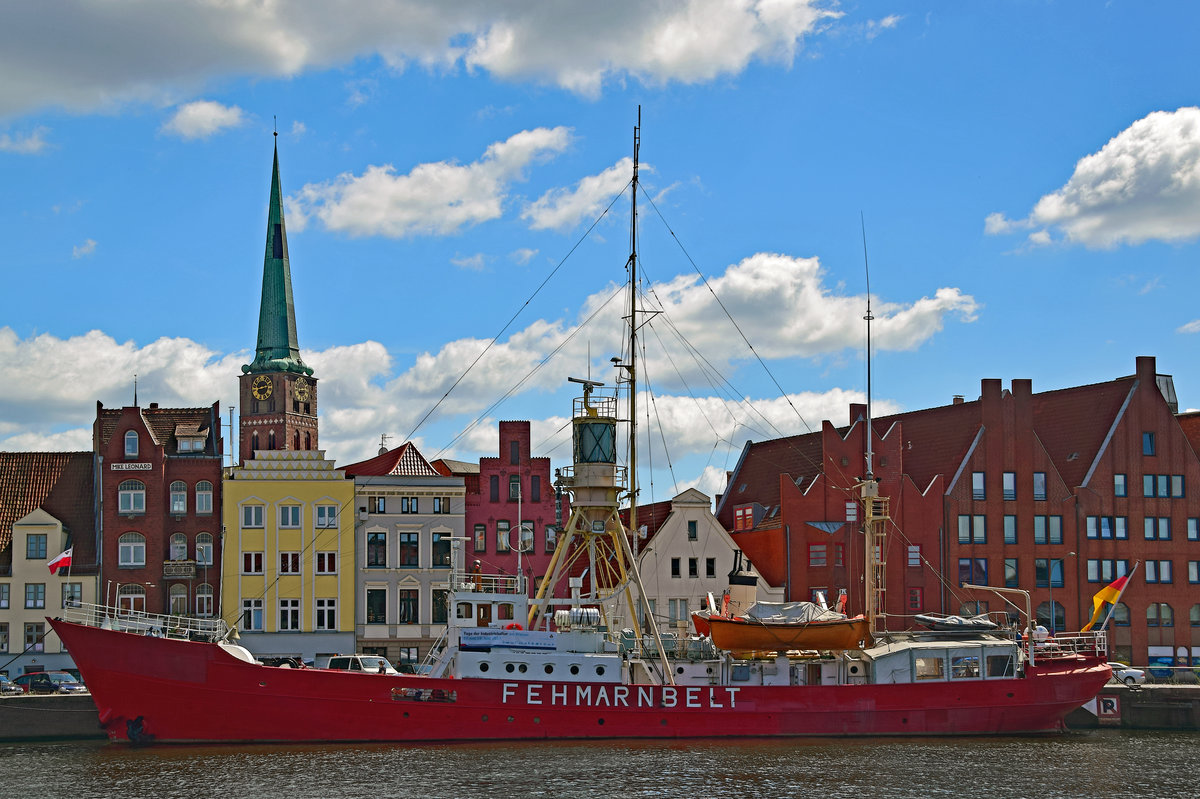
<point>159,472</point>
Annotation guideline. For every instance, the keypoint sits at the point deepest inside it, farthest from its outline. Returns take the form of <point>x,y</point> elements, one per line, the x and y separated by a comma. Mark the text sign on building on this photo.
<point>131,467</point>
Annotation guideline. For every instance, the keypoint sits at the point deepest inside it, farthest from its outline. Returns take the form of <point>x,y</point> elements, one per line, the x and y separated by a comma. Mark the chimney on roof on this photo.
<point>858,410</point>
<point>154,406</point>
<point>958,399</point>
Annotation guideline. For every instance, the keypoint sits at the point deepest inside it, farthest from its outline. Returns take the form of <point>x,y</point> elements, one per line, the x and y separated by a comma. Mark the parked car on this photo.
<point>7,687</point>
<point>1123,673</point>
<point>49,682</point>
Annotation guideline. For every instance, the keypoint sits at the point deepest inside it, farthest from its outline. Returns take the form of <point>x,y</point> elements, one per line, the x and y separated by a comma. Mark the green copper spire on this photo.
<point>278,350</point>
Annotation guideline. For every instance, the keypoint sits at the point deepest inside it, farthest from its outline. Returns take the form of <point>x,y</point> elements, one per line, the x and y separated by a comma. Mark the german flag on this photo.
<point>1108,594</point>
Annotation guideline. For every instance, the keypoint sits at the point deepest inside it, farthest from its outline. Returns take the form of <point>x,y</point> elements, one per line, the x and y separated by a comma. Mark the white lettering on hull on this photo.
<point>664,696</point>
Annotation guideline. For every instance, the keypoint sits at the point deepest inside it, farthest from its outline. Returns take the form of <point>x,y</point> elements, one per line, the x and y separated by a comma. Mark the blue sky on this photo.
<point>1028,172</point>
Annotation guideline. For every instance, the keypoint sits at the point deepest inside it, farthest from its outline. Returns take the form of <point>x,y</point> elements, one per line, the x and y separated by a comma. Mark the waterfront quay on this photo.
<point>1146,707</point>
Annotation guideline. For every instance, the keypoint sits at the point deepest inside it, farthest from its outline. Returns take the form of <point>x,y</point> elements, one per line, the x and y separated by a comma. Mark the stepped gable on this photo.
<point>289,464</point>
<point>402,461</point>
<point>1072,423</point>
<point>756,477</point>
<point>60,483</point>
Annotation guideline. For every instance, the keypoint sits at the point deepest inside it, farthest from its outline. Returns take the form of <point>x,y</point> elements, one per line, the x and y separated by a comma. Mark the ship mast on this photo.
<point>875,507</point>
<point>631,367</point>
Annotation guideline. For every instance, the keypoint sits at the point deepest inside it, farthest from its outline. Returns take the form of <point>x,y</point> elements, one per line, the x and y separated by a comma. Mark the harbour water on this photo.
<point>1103,763</point>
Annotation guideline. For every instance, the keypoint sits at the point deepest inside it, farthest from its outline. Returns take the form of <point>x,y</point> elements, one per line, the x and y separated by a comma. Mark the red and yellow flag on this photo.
<point>1108,594</point>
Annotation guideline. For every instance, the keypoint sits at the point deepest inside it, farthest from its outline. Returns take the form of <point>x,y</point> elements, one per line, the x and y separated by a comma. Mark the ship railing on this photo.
<point>486,583</point>
<point>1093,643</point>
<point>124,619</point>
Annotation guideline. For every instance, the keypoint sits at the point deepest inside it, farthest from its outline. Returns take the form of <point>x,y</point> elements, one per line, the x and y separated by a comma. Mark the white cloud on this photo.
<point>1191,327</point>
<point>1143,185</point>
<point>523,255</point>
<point>81,250</point>
<point>203,118</point>
<point>29,144</point>
<point>84,55</point>
<point>562,209</point>
<point>475,262</point>
<point>298,128</point>
<point>433,199</point>
<point>878,26</point>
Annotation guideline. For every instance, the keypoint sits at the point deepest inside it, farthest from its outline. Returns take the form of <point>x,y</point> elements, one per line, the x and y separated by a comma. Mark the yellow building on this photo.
<point>288,555</point>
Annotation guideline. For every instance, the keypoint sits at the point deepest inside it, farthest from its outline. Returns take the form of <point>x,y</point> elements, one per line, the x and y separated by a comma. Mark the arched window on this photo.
<point>270,439</point>
<point>296,439</point>
<point>204,600</point>
<point>1194,615</point>
<point>254,442</point>
<point>307,441</point>
<point>131,598</point>
<point>178,498</point>
<point>1159,614</point>
<point>131,550</point>
<point>131,444</point>
<point>204,496</point>
<point>131,497</point>
<point>179,599</point>
<point>179,547</point>
<point>204,550</point>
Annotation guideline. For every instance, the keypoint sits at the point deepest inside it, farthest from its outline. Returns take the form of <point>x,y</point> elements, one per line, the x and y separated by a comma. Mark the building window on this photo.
<point>816,555</point>
<point>178,498</point>
<point>410,605</point>
<point>35,546</point>
<point>526,541</point>
<point>1039,486</point>
<point>441,504</point>
<point>978,489</point>
<point>1010,573</point>
<point>409,505</point>
<point>1010,529</point>
<point>1193,617</point>
<point>1148,446</point>
<point>4,636</point>
<point>441,605</point>
<point>916,599</point>
<point>1107,527</point>
<point>691,528</point>
<point>535,488</point>
<point>743,517</point>
<point>480,538</point>
<point>131,550</point>
<point>914,555</point>
<point>35,634</point>
<point>289,615</point>
<point>441,550</point>
<point>693,567</point>
<point>1158,571</point>
<point>1105,571</point>
<point>177,599</point>
<point>1047,529</point>
<point>514,453</point>
<point>1158,528</point>
<point>1119,487</point>
<point>35,595</point>
<point>710,567</point>
<point>1159,614</point>
<point>1009,485</point>
<point>252,615</point>
<point>289,562</point>
<point>4,598</point>
<point>327,562</point>
<point>514,487</point>
<point>204,549</point>
<point>1177,486</point>
<point>972,570</point>
<point>376,606</point>
<point>675,572</point>
<point>1194,571</point>
<point>252,516</point>
<point>289,516</point>
<point>204,497</point>
<point>326,516</point>
<point>204,600</point>
<point>972,529</point>
<point>377,550</point>
<point>131,497</point>
<point>502,528</point>
<point>494,487</point>
<point>407,555</point>
<point>72,594</point>
<point>551,538</point>
<point>326,614</point>
<point>252,563</point>
<point>131,444</point>
<point>1193,529</point>
<point>377,504</point>
<point>1048,572</point>
<point>179,547</point>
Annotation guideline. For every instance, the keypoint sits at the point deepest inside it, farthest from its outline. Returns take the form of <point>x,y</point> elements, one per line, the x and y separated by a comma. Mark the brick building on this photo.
<point>1057,493</point>
<point>159,476</point>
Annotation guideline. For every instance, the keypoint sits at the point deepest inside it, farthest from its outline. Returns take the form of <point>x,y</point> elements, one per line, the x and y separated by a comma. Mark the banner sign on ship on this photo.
<point>488,637</point>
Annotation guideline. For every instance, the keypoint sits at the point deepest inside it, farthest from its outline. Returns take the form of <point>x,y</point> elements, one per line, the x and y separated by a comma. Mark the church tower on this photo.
<point>278,394</point>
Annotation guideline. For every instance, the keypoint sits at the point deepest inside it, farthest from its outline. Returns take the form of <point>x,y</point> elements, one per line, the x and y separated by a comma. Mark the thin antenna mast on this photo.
<point>633,486</point>
<point>869,318</point>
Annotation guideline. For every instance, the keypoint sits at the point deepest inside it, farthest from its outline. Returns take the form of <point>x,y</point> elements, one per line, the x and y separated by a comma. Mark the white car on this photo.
<point>1122,673</point>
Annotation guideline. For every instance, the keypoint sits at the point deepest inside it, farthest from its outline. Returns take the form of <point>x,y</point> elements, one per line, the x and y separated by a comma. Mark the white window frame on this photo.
<point>178,501</point>
<point>326,618</point>
<point>131,497</point>
<point>289,517</point>
<point>131,443</point>
<point>252,516</point>
<point>131,550</point>
<point>327,562</point>
<point>204,497</point>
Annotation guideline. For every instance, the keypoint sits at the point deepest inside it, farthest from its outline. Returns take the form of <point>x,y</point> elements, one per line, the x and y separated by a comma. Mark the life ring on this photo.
<point>513,626</point>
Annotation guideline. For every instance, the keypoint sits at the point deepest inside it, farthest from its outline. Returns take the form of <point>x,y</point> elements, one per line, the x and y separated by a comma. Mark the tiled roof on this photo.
<point>1073,422</point>
<point>452,468</point>
<point>761,465</point>
<point>162,424</point>
<point>403,461</point>
<point>60,483</point>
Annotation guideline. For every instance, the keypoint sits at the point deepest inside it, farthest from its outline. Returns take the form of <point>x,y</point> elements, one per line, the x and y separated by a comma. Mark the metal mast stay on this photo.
<point>594,529</point>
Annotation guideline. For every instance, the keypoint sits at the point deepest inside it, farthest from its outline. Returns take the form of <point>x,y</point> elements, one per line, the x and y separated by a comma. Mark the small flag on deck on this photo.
<point>63,561</point>
<point>1108,594</point>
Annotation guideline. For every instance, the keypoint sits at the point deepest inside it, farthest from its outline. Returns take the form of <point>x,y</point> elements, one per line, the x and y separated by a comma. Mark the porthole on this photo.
<point>574,669</point>
<point>679,669</point>
<point>508,667</point>
<point>510,719</point>
<point>600,722</point>
<point>548,668</point>
<point>522,668</point>
<point>483,667</point>
<point>599,671</point>
<point>485,716</point>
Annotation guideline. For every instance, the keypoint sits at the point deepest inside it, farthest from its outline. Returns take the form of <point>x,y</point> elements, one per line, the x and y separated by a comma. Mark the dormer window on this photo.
<point>131,444</point>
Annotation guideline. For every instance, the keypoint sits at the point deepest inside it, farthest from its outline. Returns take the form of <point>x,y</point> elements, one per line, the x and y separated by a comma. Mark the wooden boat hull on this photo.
<point>738,635</point>
<point>152,689</point>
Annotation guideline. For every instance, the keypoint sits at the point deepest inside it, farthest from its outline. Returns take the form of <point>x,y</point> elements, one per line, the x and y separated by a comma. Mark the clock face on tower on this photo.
<point>262,387</point>
<point>301,390</point>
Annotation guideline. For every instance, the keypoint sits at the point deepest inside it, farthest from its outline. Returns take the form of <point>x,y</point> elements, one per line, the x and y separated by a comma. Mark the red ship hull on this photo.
<point>168,690</point>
